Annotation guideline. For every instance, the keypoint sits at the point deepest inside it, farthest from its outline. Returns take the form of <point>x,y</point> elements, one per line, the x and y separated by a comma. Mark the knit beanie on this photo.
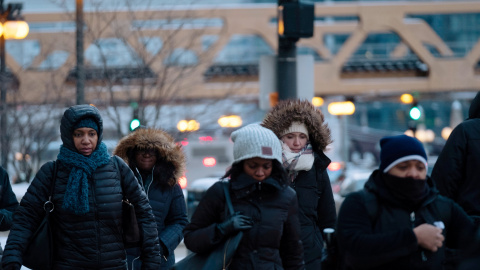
<point>397,149</point>
<point>255,141</point>
<point>295,127</point>
<point>86,122</point>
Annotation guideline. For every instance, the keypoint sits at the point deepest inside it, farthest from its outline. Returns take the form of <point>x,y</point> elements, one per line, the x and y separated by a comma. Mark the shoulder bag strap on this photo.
<point>48,206</point>
<point>228,201</point>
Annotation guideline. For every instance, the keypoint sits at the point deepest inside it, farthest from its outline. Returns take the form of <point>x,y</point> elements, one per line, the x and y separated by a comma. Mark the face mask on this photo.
<point>408,190</point>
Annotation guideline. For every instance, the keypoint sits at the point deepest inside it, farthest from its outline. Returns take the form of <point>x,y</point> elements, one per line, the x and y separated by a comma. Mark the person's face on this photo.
<point>295,141</point>
<point>258,168</point>
<point>410,168</point>
<point>145,159</point>
<point>85,140</point>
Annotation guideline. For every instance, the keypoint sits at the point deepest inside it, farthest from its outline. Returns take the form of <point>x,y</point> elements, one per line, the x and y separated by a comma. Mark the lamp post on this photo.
<point>12,26</point>
<point>79,53</point>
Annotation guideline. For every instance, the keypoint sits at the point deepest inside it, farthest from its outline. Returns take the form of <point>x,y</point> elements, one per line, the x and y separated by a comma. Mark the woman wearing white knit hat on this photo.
<point>266,208</point>
<point>304,136</point>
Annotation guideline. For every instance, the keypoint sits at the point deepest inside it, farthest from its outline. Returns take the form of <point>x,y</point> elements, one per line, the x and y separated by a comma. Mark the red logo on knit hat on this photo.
<point>267,151</point>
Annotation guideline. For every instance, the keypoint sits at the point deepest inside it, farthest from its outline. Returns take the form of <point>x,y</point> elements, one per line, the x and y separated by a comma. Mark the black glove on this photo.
<point>235,223</point>
<point>12,266</point>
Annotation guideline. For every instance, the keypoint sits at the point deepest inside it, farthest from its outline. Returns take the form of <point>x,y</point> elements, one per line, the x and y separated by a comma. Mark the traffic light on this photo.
<point>415,113</point>
<point>296,19</point>
<point>135,123</point>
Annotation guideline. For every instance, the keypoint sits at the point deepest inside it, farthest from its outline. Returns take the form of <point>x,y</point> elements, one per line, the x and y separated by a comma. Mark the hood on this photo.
<point>156,139</point>
<point>72,116</point>
<point>284,113</point>
<point>474,111</point>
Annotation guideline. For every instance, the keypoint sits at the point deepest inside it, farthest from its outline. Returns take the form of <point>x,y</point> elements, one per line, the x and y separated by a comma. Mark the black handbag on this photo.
<point>39,252</point>
<point>221,256</point>
<point>131,232</point>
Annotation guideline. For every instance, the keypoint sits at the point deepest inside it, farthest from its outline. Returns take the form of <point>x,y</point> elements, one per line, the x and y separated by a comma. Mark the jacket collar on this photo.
<point>244,185</point>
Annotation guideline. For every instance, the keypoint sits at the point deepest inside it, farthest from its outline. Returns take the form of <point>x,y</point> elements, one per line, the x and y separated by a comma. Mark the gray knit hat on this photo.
<point>255,141</point>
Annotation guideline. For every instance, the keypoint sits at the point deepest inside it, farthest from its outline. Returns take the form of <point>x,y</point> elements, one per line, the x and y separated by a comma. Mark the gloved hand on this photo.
<point>235,223</point>
<point>12,266</point>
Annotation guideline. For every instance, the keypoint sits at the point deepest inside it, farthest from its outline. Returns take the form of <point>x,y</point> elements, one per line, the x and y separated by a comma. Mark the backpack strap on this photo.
<point>371,204</point>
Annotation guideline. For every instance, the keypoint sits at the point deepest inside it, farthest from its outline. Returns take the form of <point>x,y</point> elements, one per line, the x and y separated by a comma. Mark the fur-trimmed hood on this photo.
<point>162,142</point>
<point>281,116</point>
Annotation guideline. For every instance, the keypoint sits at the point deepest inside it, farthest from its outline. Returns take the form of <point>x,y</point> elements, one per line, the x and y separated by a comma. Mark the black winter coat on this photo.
<point>316,208</point>
<point>387,240</point>
<point>273,242</point>
<point>8,201</point>
<point>169,209</point>
<point>93,240</point>
<point>456,172</point>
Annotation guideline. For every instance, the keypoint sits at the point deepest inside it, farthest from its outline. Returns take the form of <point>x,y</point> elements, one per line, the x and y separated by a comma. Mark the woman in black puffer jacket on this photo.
<point>266,208</point>
<point>158,163</point>
<point>88,202</point>
<point>304,136</point>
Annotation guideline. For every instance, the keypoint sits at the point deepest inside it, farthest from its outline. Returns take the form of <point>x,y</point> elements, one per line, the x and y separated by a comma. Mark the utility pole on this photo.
<point>80,70</point>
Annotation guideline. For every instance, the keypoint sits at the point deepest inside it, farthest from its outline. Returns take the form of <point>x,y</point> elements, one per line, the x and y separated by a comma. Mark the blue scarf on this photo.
<point>76,195</point>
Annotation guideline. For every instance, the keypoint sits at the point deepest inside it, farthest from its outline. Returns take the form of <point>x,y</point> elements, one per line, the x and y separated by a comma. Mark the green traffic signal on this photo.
<point>135,123</point>
<point>415,113</point>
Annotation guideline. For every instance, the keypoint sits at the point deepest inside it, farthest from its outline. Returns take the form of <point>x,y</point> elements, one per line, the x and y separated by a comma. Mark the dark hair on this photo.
<point>164,171</point>
<point>278,172</point>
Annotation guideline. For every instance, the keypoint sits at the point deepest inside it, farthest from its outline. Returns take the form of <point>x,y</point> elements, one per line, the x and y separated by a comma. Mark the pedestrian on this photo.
<point>304,137</point>
<point>455,172</point>
<point>266,207</point>
<point>8,203</point>
<point>158,163</point>
<point>399,221</point>
<point>88,192</point>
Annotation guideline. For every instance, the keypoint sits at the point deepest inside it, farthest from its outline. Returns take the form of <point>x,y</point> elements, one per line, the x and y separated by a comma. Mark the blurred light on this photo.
<point>184,143</point>
<point>27,157</point>
<point>341,108</point>
<point>446,131</point>
<point>317,101</point>
<point>273,97</point>
<point>206,138</point>
<point>406,98</point>
<point>190,125</point>
<point>230,121</point>
<point>209,162</point>
<point>415,113</point>
<point>425,135</point>
<point>182,181</point>
<point>135,123</point>
<point>18,156</point>
<point>409,132</point>
<point>15,29</point>
<point>281,26</point>
<point>335,166</point>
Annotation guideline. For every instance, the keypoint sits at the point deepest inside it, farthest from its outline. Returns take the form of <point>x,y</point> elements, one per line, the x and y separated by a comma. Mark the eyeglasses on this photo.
<point>144,152</point>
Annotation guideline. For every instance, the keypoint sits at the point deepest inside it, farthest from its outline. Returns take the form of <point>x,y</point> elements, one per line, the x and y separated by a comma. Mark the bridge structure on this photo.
<point>419,62</point>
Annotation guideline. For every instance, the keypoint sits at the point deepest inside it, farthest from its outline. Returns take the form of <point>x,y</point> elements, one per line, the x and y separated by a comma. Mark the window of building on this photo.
<point>23,51</point>
<point>243,49</point>
<point>54,60</point>
<point>111,52</point>
<point>181,57</point>
<point>184,23</point>
<point>51,27</point>
<point>152,44</point>
<point>208,41</point>
<point>304,50</point>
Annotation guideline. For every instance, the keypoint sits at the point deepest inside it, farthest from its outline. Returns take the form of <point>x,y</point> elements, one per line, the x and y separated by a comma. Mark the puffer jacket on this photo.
<point>383,238</point>
<point>164,193</point>
<point>273,242</point>
<point>8,201</point>
<point>314,192</point>
<point>456,171</point>
<point>93,240</point>
<point>316,208</point>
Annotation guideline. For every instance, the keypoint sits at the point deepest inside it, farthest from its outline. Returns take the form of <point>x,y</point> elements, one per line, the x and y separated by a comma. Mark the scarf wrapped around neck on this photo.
<point>295,162</point>
<point>76,195</point>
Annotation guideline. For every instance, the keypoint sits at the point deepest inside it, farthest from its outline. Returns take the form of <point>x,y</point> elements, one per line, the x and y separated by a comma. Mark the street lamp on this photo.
<point>12,27</point>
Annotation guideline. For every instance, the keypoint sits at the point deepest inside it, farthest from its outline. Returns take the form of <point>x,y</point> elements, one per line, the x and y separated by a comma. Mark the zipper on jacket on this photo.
<point>412,219</point>
<point>96,218</point>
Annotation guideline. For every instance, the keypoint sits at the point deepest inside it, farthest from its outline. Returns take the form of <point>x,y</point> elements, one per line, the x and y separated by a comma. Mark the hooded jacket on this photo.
<point>272,243</point>
<point>456,171</point>
<point>93,240</point>
<point>386,240</point>
<point>314,192</point>
<point>162,188</point>
<point>8,201</point>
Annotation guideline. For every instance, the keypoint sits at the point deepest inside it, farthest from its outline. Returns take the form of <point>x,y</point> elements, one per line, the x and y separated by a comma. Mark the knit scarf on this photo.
<point>76,195</point>
<point>294,162</point>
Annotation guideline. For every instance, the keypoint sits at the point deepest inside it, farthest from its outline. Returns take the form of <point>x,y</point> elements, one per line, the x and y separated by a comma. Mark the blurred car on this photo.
<point>353,179</point>
<point>196,190</point>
